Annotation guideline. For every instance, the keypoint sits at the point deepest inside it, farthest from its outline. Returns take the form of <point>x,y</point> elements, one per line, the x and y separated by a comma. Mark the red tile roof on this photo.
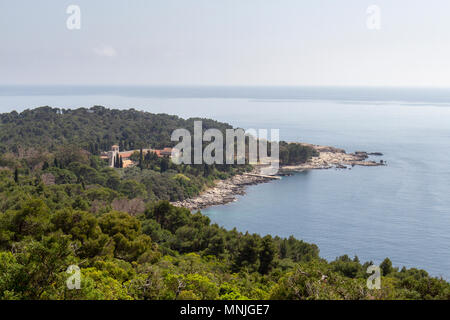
<point>126,154</point>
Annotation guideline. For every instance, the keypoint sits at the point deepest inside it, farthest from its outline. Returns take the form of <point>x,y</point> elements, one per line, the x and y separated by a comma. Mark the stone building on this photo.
<point>115,153</point>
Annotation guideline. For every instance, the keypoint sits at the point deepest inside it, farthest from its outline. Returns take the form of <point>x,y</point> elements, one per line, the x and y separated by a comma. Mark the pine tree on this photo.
<point>16,175</point>
<point>386,266</point>
<point>120,162</point>
<point>164,165</point>
<point>248,254</point>
<point>267,255</point>
<point>283,249</point>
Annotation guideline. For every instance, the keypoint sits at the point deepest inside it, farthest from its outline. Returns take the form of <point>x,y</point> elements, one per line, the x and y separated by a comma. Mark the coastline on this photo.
<point>226,191</point>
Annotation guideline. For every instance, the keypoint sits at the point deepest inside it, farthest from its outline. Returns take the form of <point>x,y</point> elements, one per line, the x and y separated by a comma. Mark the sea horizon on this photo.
<point>414,95</point>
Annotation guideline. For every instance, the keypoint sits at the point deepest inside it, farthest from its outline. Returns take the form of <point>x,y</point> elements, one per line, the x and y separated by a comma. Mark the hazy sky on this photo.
<point>226,42</point>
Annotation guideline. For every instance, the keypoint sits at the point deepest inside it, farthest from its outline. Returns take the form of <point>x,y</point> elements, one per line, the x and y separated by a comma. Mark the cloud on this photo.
<point>105,51</point>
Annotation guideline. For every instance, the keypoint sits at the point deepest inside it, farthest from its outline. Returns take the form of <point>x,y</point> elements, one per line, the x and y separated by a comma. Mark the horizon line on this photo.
<point>229,86</point>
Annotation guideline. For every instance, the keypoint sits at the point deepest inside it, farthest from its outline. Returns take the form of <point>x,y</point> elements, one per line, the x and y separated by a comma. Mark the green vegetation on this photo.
<point>295,153</point>
<point>95,129</point>
<point>63,146</point>
<point>61,205</point>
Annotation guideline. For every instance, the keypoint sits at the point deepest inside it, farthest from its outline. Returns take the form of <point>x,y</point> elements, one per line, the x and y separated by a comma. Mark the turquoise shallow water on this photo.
<point>401,211</point>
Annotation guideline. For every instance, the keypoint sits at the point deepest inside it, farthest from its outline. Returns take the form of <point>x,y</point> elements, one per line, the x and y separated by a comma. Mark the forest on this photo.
<point>61,205</point>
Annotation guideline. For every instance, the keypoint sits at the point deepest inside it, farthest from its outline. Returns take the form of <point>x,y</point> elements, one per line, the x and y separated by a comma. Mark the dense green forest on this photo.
<point>95,129</point>
<point>60,205</point>
<point>98,128</point>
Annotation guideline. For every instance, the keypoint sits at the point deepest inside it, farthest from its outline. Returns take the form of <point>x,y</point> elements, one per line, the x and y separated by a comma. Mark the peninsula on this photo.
<point>226,191</point>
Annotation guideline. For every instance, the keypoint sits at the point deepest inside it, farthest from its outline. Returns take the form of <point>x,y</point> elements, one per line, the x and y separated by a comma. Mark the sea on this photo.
<point>400,211</point>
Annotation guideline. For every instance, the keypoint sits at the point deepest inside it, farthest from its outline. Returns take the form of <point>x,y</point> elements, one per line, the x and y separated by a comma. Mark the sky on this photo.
<point>226,42</point>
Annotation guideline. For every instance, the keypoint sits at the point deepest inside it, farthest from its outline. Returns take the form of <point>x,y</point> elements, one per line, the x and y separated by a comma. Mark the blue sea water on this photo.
<point>401,211</point>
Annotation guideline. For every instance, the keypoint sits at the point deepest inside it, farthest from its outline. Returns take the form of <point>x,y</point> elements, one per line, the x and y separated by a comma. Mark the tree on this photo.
<point>31,219</point>
<point>249,253</point>
<point>267,255</point>
<point>83,227</point>
<point>168,216</point>
<point>35,266</point>
<point>386,267</point>
<point>283,249</point>
<point>216,245</point>
<point>16,175</point>
<point>125,230</point>
<point>164,164</point>
<point>132,189</point>
<point>141,159</point>
<point>116,162</point>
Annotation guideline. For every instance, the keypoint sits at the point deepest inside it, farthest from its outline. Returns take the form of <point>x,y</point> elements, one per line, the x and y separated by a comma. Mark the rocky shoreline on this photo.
<point>225,191</point>
<point>331,157</point>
